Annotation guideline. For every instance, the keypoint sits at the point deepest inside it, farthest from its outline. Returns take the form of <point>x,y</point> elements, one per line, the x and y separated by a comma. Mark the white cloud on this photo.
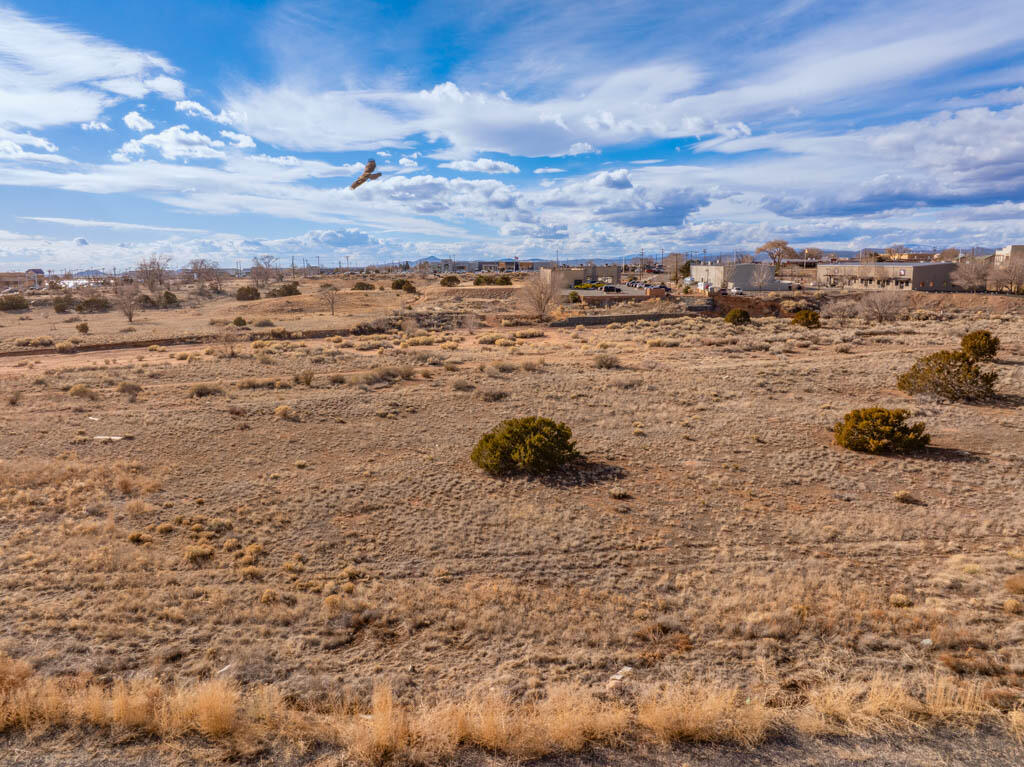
<point>81,241</point>
<point>53,75</point>
<point>98,125</point>
<point>580,147</point>
<point>240,140</point>
<point>107,224</point>
<point>548,170</point>
<point>195,109</point>
<point>174,143</point>
<point>137,122</point>
<point>166,86</point>
<point>481,165</point>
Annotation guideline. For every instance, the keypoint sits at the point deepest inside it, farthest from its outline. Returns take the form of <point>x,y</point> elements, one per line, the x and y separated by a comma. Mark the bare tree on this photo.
<point>840,310</point>
<point>1010,276</point>
<point>814,253</point>
<point>329,296</point>
<point>777,251</point>
<point>881,306</point>
<point>971,274</point>
<point>762,276</point>
<point>263,269</point>
<point>152,272</point>
<point>205,272</point>
<point>539,293</point>
<point>127,298</point>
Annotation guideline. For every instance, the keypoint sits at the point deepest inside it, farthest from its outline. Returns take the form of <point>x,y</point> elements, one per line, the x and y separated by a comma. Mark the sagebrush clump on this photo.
<point>980,345</point>
<point>880,430</point>
<point>532,445</point>
<point>807,318</point>
<point>247,293</point>
<point>449,281</point>
<point>738,317</point>
<point>13,303</point>
<point>950,375</point>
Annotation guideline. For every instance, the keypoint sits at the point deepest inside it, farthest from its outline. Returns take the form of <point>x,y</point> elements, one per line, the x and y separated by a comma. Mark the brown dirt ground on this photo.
<point>714,531</point>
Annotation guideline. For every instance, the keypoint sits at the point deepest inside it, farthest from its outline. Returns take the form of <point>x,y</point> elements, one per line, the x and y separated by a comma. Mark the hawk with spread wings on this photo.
<point>368,174</point>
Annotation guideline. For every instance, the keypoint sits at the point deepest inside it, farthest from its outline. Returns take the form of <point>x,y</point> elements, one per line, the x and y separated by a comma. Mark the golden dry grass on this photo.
<point>568,719</point>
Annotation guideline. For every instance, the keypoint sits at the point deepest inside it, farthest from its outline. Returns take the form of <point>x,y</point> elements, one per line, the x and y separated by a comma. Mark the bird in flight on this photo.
<point>368,174</point>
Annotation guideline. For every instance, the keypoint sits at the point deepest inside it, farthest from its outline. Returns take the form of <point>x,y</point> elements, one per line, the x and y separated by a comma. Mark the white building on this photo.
<point>750,276</point>
<point>1009,252</point>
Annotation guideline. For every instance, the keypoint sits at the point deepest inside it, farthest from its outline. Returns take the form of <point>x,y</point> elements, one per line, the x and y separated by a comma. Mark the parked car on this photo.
<point>612,289</point>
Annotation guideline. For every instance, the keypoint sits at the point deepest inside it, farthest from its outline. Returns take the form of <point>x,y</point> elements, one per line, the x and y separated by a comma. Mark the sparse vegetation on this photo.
<point>247,293</point>
<point>879,430</point>
<point>354,589</point>
<point>449,281</point>
<point>83,392</point>
<point>531,445</point>
<point>953,376</point>
<point>362,286</point>
<point>606,362</point>
<point>492,279</point>
<point>204,390</point>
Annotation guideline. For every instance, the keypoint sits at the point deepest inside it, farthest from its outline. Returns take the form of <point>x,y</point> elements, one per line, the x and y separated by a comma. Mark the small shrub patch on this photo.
<point>449,281</point>
<point>13,303</point>
<point>953,376</point>
<point>807,318</point>
<point>879,430</point>
<point>532,445</point>
<point>247,293</point>
<point>362,286</point>
<point>980,345</point>
<point>284,289</point>
<point>738,317</point>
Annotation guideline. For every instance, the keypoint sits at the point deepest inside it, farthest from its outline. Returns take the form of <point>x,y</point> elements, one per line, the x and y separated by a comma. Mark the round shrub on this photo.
<point>409,287</point>
<point>400,284</point>
<point>449,281</point>
<point>362,286</point>
<point>14,302</point>
<point>247,293</point>
<point>82,327</point>
<point>239,322</point>
<point>574,297</point>
<point>93,304</point>
<point>284,289</point>
<point>167,298</point>
<point>738,317</point>
<point>953,376</point>
<point>532,445</point>
<point>880,430</point>
<point>980,345</point>
<point>808,318</point>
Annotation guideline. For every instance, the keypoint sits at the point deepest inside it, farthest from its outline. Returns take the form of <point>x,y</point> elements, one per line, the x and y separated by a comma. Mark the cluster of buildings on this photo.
<point>27,280</point>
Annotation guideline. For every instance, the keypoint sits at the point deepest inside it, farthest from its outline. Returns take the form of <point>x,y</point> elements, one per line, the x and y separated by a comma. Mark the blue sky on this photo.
<point>230,129</point>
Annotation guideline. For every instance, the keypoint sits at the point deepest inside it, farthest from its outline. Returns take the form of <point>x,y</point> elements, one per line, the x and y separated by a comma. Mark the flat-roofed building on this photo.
<point>568,276</point>
<point>924,275</point>
<point>1010,252</point>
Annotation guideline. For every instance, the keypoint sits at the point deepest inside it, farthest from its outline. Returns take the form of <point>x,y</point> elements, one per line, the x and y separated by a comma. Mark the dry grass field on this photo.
<point>276,550</point>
